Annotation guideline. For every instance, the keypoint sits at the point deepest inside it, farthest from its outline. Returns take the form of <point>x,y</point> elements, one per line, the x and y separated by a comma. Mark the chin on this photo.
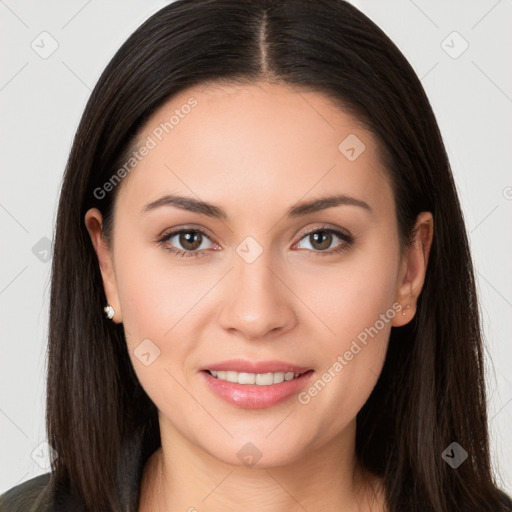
<point>257,451</point>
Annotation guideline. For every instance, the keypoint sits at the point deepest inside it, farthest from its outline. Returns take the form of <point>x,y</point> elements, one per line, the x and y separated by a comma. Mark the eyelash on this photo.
<point>347,239</point>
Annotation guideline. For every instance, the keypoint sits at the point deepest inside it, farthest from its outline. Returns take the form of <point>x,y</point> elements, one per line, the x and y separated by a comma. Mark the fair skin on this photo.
<point>255,151</point>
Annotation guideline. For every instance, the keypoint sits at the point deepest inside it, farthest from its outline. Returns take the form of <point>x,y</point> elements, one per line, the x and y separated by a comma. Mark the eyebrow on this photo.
<point>195,205</point>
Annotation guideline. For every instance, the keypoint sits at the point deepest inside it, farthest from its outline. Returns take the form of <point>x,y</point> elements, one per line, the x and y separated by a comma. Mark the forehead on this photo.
<point>262,142</point>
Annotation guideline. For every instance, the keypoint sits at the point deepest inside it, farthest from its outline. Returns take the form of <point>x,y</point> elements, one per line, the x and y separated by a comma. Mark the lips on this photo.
<point>260,394</point>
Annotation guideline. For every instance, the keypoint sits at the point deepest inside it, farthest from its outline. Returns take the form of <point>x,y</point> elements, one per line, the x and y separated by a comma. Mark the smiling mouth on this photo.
<point>258,379</point>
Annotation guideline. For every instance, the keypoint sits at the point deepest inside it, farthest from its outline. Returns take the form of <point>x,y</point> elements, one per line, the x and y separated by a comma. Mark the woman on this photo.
<point>259,201</point>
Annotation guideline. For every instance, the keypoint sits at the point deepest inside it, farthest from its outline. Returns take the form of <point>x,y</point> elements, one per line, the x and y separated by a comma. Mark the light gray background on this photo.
<point>41,100</point>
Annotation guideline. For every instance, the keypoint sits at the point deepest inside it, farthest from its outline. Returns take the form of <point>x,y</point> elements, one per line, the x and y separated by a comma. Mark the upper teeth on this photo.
<point>260,379</point>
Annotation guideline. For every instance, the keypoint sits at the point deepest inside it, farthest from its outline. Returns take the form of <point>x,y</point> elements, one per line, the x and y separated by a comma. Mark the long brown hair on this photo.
<point>431,391</point>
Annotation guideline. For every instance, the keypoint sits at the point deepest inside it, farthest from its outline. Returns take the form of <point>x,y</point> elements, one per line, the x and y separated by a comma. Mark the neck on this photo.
<point>180,476</point>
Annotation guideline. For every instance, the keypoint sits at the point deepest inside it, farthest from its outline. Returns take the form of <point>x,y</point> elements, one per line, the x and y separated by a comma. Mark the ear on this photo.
<point>413,269</point>
<point>93,222</point>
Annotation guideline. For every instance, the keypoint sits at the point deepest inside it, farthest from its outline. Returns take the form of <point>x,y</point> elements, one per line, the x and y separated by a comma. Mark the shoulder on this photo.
<point>503,497</point>
<point>29,496</point>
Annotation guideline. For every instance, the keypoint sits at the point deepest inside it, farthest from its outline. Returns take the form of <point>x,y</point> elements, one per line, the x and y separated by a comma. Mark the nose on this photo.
<point>258,303</point>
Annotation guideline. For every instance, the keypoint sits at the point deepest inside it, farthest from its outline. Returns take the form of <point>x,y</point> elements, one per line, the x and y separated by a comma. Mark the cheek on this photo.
<point>157,302</point>
<point>158,320</point>
<point>351,362</point>
<point>349,295</point>
<point>358,308</point>
<point>155,293</point>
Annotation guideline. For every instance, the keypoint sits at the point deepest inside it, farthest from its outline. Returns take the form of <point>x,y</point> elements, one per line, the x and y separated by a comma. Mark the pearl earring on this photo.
<point>406,307</point>
<point>109,311</point>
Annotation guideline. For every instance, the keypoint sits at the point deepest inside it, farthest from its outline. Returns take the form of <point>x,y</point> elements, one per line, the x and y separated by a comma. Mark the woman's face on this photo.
<point>278,282</point>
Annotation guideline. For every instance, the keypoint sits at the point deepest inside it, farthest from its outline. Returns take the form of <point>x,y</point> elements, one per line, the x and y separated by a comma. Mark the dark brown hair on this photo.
<point>431,391</point>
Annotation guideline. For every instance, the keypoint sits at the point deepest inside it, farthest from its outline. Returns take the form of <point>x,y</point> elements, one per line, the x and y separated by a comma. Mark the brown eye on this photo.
<point>186,242</point>
<point>190,240</point>
<point>321,240</point>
